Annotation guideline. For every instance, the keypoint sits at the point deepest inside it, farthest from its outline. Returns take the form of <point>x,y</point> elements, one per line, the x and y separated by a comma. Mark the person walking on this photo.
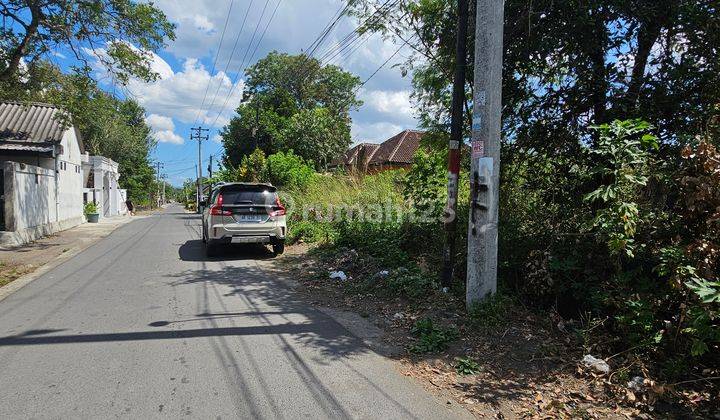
<point>130,207</point>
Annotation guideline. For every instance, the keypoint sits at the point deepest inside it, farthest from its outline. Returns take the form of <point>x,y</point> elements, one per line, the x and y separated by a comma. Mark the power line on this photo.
<point>326,31</point>
<point>356,33</point>
<point>388,60</point>
<point>242,61</point>
<point>365,36</point>
<point>257,26</point>
<point>359,86</point>
<point>217,54</point>
<point>237,75</point>
<point>232,53</point>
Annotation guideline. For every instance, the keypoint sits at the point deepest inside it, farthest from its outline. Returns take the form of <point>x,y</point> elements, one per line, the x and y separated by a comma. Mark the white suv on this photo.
<point>241,213</point>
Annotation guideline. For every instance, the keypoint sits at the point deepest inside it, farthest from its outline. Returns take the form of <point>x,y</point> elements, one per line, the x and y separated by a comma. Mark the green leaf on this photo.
<point>707,291</point>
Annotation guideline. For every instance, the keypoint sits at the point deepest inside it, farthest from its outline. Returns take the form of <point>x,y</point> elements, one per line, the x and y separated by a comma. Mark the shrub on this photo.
<point>426,182</point>
<point>467,366</point>
<point>309,231</point>
<point>288,170</point>
<point>252,167</point>
<point>490,312</point>
<point>431,337</point>
<point>411,283</point>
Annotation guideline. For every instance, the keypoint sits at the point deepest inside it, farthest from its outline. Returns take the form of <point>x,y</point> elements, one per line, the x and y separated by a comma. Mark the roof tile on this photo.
<point>398,149</point>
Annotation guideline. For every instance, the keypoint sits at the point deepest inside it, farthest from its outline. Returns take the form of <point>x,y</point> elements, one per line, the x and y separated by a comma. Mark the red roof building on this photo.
<point>397,152</point>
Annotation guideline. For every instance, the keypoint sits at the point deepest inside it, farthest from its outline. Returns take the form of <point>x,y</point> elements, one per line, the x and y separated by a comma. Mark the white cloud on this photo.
<point>180,95</point>
<point>376,132</point>
<point>164,129</point>
<point>168,136</point>
<point>217,138</point>
<point>160,123</point>
<point>202,23</point>
<point>389,102</point>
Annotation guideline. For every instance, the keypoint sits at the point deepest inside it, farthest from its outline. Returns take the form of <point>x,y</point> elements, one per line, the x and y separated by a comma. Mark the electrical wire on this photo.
<point>232,53</point>
<point>217,54</point>
<point>242,68</point>
<point>356,33</point>
<point>326,31</point>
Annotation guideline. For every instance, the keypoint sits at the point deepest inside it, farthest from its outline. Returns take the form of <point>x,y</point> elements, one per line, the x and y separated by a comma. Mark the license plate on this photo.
<point>248,239</point>
<point>248,217</point>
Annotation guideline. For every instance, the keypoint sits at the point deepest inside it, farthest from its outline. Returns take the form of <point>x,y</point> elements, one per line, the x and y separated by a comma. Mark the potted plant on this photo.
<point>91,212</point>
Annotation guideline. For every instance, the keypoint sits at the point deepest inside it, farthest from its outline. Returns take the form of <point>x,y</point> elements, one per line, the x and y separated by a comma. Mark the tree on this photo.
<point>571,64</point>
<point>119,33</point>
<point>285,95</point>
<point>316,135</point>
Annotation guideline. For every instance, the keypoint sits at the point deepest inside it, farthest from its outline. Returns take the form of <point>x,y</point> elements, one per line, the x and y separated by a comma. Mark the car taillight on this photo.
<point>279,210</point>
<point>217,210</point>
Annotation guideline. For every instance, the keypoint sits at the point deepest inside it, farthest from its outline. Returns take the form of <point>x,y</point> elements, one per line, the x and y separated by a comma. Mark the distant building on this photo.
<point>100,181</point>
<point>394,153</point>
<point>356,158</point>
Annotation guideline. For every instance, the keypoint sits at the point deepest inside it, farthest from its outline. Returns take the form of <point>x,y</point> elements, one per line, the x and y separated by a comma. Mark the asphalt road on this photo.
<point>141,325</point>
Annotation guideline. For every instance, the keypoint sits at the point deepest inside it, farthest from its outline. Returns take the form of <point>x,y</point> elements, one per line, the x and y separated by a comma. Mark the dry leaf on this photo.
<point>630,396</point>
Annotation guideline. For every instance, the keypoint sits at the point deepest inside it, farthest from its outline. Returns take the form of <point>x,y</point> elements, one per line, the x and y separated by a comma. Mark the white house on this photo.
<point>100,178</point>
<point>42,176</point>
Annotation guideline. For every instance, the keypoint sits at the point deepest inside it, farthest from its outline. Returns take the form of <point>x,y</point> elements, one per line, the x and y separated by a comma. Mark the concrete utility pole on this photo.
<point>485,172</point>
<point>157,182</point>
<point>163,190</point>
<point>196,133</point>
<point>197,188</point>
<point>456,141</point>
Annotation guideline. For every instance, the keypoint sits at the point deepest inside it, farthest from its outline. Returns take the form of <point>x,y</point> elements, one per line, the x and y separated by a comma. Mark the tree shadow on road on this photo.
<point>269,299</point>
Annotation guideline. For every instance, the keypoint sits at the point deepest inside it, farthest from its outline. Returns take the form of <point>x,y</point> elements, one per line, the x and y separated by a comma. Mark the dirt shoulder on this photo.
<point>22,263</point>
<point>513,364</point>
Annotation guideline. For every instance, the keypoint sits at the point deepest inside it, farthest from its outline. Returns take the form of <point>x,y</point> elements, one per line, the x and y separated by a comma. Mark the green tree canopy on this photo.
<point>293,102</point>
<point>570,64</point>
<point>126,30</point>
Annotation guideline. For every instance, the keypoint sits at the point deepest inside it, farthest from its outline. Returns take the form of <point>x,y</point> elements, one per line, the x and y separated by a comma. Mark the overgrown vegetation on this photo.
<point>431,338</point>
<point>617,232</point>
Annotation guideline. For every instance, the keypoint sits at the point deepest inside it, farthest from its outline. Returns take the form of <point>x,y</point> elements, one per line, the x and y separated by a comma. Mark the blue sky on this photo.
<point>174,103</point>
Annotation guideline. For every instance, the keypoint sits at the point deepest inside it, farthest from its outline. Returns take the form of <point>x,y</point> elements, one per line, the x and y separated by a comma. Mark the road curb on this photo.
<point>24,280</point>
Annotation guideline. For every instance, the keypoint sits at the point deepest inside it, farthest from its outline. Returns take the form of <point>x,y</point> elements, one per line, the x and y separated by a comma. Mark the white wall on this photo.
<point>33,196</point>
<point>43,162</point>
<point>122,198</point>
<point>70,178</point>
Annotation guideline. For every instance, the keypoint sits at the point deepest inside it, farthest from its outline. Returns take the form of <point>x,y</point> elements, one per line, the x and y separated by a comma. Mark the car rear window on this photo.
<point>256,197</point>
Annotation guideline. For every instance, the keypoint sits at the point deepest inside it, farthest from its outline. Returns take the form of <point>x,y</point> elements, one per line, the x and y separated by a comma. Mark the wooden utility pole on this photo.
<point>456,142</point>
<point>196,133</point>
<point>485,172</point>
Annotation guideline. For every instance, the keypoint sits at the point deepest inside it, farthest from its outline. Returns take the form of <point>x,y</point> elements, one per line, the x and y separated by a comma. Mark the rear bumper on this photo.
<point>240,239</point>
<point>261,234</point>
